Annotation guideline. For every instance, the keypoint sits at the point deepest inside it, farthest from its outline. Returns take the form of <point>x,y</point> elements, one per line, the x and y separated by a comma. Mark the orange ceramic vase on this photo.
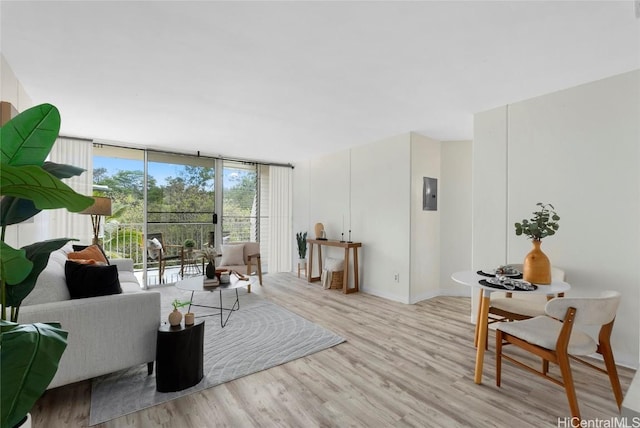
<point>537,268</point>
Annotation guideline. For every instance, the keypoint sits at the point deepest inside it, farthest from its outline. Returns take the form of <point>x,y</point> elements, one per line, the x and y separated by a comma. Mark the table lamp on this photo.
<point>101,206</point>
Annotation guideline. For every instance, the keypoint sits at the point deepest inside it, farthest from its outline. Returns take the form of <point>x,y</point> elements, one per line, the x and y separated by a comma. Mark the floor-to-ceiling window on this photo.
<point>206,201</point>
<point>239,202</point>
<point>119,174</point>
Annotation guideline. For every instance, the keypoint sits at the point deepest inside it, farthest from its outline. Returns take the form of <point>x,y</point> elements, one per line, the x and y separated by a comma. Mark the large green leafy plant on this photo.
<point>30,353</point>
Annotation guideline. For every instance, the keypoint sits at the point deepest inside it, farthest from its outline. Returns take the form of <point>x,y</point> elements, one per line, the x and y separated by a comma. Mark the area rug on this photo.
<point>258,336</point>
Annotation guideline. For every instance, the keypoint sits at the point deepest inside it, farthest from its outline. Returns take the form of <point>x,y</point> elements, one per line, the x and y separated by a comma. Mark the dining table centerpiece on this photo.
<point>537,267</point>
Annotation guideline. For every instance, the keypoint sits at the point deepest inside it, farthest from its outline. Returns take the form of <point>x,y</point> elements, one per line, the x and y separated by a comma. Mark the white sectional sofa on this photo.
<point>106,333</point>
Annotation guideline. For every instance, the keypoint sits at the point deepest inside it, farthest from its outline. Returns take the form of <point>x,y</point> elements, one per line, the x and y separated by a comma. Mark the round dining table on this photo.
<point>472,279</point>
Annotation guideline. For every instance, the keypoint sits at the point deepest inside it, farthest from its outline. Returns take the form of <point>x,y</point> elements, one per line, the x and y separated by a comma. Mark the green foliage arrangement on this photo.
<point>301,238</point>
<point>178,304</point>
<point>544,223</point>
<point>31,352</point>
<point>189,243</point>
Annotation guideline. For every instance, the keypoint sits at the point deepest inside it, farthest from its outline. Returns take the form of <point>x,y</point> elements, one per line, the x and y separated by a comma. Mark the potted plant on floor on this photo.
<point>301,240</point>
<point>189,244</point>
<point>537,268</point>
<point>28,185</point>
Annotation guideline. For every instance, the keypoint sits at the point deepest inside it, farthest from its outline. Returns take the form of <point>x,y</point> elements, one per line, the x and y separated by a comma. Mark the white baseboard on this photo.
<point>388,296</point>
<point>420,297</point>
<point>441,292</point>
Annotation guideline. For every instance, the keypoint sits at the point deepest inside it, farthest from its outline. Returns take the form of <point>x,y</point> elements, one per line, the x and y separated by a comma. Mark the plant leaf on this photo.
<point>16,210</point>
<point>61,170</point>
<point>38,255</point>
<point>46,191</point>
<point>28,137</point>
<point>29,360</point>
<point>14,264</point>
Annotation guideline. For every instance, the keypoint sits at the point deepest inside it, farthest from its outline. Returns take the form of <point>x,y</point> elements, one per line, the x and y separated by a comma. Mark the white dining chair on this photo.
<point>556,337</point>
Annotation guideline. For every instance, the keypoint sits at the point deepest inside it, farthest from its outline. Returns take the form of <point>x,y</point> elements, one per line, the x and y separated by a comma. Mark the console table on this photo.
<point>334,243</point>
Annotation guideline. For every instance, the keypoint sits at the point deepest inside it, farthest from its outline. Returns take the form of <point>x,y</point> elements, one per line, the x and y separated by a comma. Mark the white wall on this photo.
<point>425,225</point>
<point>377,187</point>
<point>11,90</point>
<point>578,149</point>
<point>301,198</point>
<point>369,188</point>
<point>380,183</point>
<point>327,195</point>
<point>455,219</point>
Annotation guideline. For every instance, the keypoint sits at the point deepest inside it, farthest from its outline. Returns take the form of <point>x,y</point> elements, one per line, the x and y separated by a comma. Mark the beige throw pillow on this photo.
<point>232,255</point>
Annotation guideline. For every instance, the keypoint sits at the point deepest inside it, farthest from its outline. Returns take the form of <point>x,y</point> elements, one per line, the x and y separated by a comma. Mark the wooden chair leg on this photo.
<point>498,357</point>
<point>161,271</point>
<point>259,270</point>
<point>545,366</point>
<point>567,378</point>
<point>475,339</point>
<point>486,342</point>
<point>612,371</point>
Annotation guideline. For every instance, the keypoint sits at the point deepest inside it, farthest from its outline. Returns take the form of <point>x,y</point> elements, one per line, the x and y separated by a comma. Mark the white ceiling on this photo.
<point>286,81</point>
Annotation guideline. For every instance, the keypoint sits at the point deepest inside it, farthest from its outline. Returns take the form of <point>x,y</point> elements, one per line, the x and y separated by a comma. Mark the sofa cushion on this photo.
<point>92,252</point>
<point>82,247</point>
<point>51,285</point>
<point>91,280</point>
<point>232,254</point>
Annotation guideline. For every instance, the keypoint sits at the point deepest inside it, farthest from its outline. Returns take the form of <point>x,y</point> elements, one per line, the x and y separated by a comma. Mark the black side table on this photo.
<point>179,356</point>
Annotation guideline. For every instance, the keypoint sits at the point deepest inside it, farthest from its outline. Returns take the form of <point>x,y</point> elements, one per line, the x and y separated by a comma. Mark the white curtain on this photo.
<point>280,219</point>
<point>62,223</point>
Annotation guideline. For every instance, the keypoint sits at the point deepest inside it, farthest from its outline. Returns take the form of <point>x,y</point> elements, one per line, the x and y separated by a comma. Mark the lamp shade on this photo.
<point>101,206</point>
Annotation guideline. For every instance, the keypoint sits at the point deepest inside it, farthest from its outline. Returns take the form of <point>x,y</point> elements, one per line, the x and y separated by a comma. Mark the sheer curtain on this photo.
<point>62,223</point>
<point>280,221</point>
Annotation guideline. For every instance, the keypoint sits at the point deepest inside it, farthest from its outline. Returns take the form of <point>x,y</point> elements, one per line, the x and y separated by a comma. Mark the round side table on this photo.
<point>179,355</point>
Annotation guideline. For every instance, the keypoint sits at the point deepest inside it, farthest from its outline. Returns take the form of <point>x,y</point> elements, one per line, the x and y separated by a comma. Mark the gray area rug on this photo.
<point>258,336</point>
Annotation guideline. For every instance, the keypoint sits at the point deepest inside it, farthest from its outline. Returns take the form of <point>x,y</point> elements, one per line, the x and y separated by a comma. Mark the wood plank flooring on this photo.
<point>402,366</point>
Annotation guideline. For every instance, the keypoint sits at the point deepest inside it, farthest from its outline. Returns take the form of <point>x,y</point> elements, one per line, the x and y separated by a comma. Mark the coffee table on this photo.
<point>196,283</point>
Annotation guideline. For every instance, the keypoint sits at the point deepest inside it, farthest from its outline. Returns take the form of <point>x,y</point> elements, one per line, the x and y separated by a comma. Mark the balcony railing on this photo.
<point>126,239</point>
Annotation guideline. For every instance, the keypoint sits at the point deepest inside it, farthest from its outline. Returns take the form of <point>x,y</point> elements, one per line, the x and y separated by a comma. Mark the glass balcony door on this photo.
<point>180,213</point>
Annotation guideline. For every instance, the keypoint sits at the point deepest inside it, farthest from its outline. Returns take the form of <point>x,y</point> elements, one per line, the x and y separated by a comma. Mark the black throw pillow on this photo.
<point>85,280</point>
<point>82,247</point>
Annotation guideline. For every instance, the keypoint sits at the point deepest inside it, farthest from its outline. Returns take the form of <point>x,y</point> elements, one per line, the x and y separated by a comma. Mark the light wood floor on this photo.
<point>402,365</point>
